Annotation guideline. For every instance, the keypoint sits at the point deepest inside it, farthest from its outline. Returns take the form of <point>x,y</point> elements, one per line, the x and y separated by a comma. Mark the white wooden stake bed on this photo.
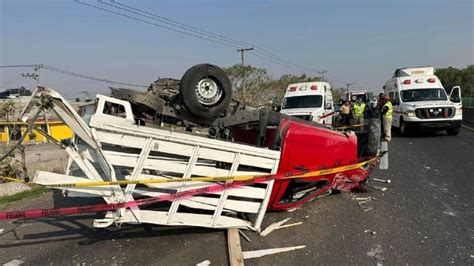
<point>113,147</point>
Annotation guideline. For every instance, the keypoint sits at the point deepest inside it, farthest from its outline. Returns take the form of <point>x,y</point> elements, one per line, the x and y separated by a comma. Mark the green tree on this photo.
<point>452,76</point>
<point>261,89</point>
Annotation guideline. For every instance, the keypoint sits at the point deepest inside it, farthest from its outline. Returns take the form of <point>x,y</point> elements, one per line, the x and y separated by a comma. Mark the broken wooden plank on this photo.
<point>236,257</point>
<point>263,252</point>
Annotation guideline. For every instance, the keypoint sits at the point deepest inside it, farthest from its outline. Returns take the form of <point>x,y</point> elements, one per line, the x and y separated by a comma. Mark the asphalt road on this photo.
<point>425,217</point>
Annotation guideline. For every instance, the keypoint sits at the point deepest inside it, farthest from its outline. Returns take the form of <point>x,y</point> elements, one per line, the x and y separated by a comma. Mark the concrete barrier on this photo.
<point>56,166</point>
<point>468,115</point>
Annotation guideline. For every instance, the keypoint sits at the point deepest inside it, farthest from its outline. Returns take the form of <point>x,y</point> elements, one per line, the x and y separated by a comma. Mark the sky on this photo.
<point>359,42</point>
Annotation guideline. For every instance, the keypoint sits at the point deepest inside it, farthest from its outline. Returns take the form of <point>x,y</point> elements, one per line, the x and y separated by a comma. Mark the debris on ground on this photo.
<point>370,232</point>
<point>362,201</point>
<point>378,188</point>
<point>278,225</point>
<point>2,230</point>
<point>388,181</point>
<point>235,249</point>
<point>204,263</point>
<point>245,236</point>
<point>14,263</point>
<point>375,253</point>
<point>264,252</point>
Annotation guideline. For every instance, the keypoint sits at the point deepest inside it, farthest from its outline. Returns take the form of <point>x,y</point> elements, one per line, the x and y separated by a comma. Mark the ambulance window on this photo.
<point>392,95</point>
<point>397,97</point>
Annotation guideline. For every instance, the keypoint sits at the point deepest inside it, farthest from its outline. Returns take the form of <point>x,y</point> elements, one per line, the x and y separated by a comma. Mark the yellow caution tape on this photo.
<point>206,178</point>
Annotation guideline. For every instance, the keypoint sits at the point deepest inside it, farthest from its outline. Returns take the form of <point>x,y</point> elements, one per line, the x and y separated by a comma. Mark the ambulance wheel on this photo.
<point>404,131</point>
<point>206,90</point>
<point>453,131</point>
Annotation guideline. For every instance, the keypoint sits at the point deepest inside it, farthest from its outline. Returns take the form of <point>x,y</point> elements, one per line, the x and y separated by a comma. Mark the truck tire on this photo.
<point>205,90</point>
<point>375,131</point>
<point>453,131</point>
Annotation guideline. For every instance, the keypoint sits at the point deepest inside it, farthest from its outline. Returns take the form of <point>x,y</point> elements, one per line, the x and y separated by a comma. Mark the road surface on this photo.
<point>425,217</point>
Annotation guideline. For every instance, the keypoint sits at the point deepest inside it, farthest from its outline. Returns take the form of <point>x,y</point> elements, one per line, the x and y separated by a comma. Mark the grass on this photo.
<point>34,192</point>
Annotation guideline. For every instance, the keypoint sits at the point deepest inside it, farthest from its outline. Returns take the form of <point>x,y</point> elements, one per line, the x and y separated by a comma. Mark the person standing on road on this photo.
<point>359,109</point>
<point>346,113</point>
<point>387,110</point>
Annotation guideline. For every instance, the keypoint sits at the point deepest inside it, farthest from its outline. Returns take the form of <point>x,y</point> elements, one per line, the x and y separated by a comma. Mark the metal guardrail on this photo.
<point>468,102</point>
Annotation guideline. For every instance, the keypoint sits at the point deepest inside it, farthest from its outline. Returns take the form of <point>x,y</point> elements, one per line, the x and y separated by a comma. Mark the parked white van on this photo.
<point>419,100</point>
<point>310,101</point>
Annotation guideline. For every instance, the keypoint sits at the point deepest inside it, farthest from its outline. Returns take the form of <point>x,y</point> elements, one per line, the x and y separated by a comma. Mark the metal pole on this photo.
<point>242,50</point>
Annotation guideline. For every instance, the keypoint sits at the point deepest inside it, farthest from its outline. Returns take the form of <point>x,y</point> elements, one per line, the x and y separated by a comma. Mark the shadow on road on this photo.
<point>79,227</point>
<point>419,134</point>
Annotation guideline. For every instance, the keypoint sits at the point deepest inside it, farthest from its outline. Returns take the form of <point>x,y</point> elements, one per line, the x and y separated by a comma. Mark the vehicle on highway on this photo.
<point>420,101</point>
<point>311,101</point>
<point>353,95</point>
<point>111,144</point>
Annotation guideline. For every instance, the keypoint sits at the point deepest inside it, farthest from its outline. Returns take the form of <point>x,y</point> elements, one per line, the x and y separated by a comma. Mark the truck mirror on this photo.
<point>395,102</point>
<point>328,106</point>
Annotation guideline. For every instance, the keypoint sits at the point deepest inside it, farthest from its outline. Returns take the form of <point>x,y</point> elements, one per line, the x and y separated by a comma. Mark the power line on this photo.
<point>79,75</point>
<point>155,24</point>
<point>70,73</point>
<point>265,53</point>
<point>180,25</point>
<point>193,31</point>
<point>15,66</point>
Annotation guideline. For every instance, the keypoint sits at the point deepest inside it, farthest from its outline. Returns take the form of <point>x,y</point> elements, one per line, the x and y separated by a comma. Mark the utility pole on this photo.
<point>322,72</point>
<point>347,89</point>
<point>242,50</point>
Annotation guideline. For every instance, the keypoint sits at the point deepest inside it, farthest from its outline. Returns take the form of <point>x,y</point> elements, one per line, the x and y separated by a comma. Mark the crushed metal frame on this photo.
<point>111,147</point>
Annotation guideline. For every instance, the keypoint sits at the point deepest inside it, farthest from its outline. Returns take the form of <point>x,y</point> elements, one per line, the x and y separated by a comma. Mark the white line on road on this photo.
<point>468,128</point>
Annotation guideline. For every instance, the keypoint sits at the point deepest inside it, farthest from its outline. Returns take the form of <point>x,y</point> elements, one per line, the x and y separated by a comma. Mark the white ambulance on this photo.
<point>420,101</point>
<point>310,101</point>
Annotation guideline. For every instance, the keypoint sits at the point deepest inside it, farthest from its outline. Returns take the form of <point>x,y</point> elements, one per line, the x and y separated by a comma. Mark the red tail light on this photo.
<point>431,80</point>
<point>292,89</point>
<point>407,82</point>
<point>314,87</point>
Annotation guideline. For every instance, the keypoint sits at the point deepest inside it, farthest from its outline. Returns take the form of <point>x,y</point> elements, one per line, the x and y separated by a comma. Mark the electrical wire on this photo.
<point>74,74</point>
<point>151,23</point>
<point>194,32</point>
<point>265,54</point>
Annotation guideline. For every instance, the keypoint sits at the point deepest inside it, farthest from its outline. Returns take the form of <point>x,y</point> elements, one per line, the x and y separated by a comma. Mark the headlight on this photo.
<point>411,113</point>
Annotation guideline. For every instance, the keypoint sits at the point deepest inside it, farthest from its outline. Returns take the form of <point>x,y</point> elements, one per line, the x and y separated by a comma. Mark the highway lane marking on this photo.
<point>468,128</point>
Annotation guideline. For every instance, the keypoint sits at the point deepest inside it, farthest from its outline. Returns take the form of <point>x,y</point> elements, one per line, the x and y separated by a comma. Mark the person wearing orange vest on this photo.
<point>359,109</point>
<point>387,111</point>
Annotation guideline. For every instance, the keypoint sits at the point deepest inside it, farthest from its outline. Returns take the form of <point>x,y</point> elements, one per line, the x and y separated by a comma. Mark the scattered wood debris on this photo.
<point>245,236</point>
<point>236,257</point>
<point>364,200</point>
<point>378,188</point>
<point>278,225</point>
<point>204,263</point>
<point>263,252</point>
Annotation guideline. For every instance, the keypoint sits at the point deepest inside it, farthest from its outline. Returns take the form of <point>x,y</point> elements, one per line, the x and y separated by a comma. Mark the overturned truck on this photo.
<point>164,160</point>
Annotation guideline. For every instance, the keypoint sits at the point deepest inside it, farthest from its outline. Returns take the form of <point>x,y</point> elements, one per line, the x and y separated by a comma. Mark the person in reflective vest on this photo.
<point>359,109</point>
<point>387,110</point>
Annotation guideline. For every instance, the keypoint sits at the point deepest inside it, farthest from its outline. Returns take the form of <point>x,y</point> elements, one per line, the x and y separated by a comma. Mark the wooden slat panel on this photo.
<point>188,219</point>
<point>170,165</point>
<point>210,203</point>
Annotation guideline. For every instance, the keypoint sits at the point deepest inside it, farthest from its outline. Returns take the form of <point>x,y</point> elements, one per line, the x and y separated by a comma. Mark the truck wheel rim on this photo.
<point>207,92</point>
